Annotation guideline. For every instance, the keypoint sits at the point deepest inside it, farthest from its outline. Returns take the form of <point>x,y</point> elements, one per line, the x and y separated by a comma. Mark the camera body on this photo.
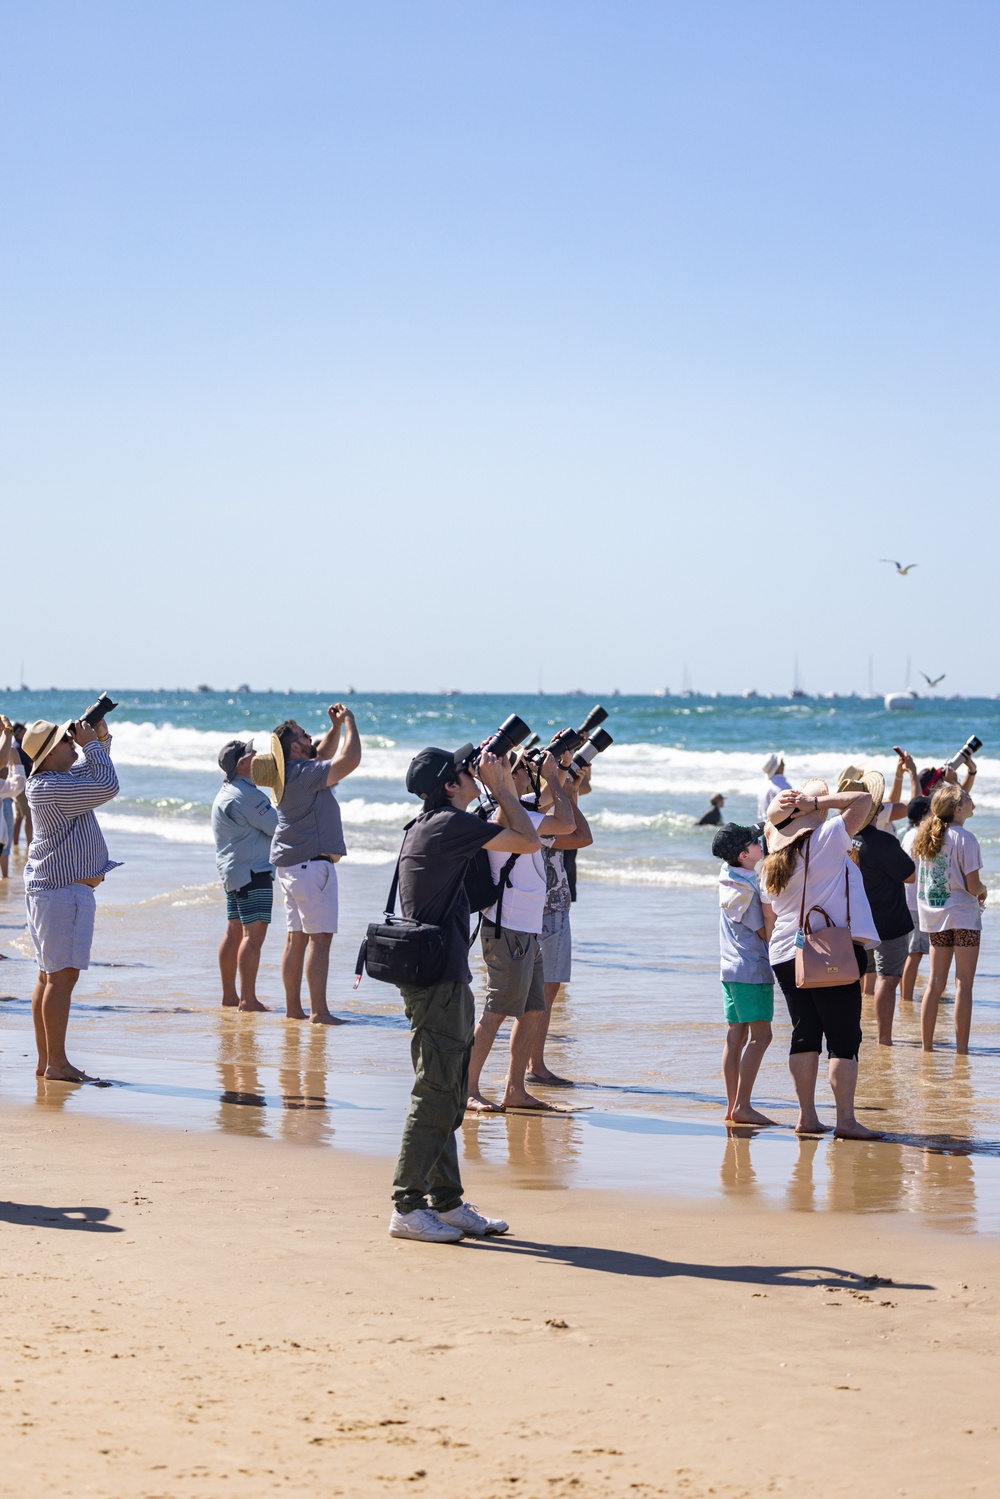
<point>98,710</point>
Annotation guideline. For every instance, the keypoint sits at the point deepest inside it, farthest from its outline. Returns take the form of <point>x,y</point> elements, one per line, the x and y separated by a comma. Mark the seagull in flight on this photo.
<point>899,566</point>
<point>933,681</point>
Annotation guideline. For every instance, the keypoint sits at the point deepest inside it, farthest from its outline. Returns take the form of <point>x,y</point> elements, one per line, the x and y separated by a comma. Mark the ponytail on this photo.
<point>932,831</point>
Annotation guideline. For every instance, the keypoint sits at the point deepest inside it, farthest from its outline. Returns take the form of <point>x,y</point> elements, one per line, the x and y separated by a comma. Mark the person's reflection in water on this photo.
<point>242,1104</point>
<point>53,1095</point>
<point>945,1190</point>
<point>801,1193</point>
<point>866,1177</point>
<point>737,1173</point>
<point>305,1116</point>
<point>544,1152</point>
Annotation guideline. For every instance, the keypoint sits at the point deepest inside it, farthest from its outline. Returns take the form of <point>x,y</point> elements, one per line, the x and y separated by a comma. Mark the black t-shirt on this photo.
<point>884,868</point>
<point>711,817</point>
<point>432,865</point>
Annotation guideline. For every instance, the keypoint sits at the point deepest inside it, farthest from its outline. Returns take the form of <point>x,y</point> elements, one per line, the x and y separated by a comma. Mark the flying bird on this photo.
<point>933,681</point>
<point>899,566</point>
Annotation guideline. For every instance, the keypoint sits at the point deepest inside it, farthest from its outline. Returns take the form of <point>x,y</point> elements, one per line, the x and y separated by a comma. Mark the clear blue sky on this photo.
<point>430,344</point>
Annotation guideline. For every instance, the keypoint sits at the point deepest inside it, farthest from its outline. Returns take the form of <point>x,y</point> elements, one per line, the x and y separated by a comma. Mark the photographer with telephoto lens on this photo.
<point>515,982</point>
<point>437,849</point>
<point>67,860</point>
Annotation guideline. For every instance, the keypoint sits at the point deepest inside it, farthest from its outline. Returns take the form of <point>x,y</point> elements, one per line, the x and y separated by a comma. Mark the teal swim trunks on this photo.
<point>746,1003</point>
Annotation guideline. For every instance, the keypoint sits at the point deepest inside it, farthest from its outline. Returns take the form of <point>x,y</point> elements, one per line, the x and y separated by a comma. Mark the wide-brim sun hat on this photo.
<point>268,770</point>
<point>787,828</point>
<point>872,781</point>
<point>771,764</point>
<point>41,738</point>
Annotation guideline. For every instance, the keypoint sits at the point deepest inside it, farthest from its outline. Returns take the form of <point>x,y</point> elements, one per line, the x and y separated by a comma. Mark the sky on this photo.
<point>418,345</point>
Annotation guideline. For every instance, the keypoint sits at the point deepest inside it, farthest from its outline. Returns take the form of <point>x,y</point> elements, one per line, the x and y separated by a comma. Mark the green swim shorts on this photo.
<point>748,1002</point>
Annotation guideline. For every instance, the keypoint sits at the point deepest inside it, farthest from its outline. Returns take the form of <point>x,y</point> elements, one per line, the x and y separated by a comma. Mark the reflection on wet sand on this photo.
<point>543,1153</point>
<point>301,1078</point>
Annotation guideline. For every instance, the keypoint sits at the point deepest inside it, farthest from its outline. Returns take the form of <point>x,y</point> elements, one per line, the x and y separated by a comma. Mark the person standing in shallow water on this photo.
<point>243,824</point>
<point>950,900</point>
<point>830,1014</point>
<point>745,971</point>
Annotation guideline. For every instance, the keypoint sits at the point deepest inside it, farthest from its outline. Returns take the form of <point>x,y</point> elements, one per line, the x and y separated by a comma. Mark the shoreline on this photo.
<point>227,1316</point>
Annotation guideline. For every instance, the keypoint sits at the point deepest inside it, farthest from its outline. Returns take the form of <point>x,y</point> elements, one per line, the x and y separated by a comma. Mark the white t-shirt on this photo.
<point>524,898</point>
<point>774,788</point>
<point>943,902</point>
<point>911,890</point>
<point>829,847</point>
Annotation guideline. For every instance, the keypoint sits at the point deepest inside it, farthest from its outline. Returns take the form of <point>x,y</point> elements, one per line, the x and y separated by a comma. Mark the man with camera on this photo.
<point>437,849</point>
<point>307,845</point>
<point>67,860</point>
<point>511,929</point>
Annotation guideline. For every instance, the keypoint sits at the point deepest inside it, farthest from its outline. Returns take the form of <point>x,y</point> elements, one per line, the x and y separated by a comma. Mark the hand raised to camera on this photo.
<point>337,713</point>
<point>495,773</point>
<point>83,733</point>
<point>549,768</point>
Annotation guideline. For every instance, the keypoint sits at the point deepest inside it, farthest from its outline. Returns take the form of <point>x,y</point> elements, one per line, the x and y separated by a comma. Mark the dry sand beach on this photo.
<point>195,1314</point>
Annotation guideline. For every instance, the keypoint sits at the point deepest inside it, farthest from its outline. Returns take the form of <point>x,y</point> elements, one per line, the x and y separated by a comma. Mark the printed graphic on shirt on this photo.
<point>934,881</point>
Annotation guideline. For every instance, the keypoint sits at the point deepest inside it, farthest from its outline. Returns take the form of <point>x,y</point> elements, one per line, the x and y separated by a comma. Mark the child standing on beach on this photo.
<point>747,979</point>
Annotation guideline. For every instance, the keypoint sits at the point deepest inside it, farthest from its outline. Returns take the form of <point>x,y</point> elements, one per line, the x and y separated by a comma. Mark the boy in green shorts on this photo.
<point>747,979</point>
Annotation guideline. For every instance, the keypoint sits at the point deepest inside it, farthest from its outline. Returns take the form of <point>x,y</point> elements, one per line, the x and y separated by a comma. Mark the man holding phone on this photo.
<point>67,860</point>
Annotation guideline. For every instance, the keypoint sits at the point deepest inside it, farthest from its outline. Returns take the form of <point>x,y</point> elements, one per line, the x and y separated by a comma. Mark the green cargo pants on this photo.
<point>442,1020</point>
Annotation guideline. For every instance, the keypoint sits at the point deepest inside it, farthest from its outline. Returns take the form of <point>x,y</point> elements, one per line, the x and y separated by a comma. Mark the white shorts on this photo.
<point>61,926</point>
<point>310,892</point>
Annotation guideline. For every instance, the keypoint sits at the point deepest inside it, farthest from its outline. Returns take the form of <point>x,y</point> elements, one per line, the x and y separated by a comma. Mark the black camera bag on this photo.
<point>400,951</point>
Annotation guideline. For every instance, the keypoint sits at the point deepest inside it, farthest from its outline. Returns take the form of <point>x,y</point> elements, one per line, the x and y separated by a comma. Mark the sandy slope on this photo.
<point>234,1321</point>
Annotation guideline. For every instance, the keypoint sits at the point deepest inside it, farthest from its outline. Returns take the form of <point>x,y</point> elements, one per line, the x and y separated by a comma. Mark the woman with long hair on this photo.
<point>795,819</point>
<point>950,900</point>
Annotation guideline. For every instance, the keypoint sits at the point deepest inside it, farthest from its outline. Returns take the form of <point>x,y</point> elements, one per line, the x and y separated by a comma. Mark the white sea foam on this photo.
<point>168,747</point>
<point>357,812</point>
<point>172,829</point>
<point>675,878</point>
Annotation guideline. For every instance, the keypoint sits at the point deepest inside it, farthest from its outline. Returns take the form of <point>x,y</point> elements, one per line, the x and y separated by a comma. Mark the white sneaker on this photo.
<point>423,1224</point>
<point>472,1222</point>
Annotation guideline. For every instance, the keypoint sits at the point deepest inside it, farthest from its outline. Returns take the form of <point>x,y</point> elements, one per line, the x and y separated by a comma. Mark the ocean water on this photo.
<point>640,1026</point>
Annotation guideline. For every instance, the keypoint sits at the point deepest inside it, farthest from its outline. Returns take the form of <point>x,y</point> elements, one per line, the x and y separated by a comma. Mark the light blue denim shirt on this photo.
<point>243,822</point>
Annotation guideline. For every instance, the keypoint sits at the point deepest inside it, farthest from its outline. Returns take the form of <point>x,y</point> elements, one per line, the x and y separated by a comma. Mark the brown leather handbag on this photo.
<point>826,957</point>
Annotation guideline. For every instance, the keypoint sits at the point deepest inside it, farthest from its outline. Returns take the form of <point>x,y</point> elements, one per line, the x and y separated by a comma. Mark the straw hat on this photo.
<point>269,770</point>
<point>41,738</point>
<point>771,763</point>
<point>872,781</point>
<point>780,833</point>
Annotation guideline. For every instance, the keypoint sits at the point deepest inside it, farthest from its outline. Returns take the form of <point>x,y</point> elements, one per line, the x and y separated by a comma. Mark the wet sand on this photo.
<point>200,1314</point>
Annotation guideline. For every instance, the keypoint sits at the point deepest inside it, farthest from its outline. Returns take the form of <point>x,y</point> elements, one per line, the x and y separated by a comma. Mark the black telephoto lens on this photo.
<point>601,740</point>
<point>568,739</point>
<point>596,715</point>
<point>99,710</point>
<point>510,734</point>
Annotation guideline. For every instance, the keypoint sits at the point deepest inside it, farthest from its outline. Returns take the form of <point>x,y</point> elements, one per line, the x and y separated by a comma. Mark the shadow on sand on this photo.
<point>40,1215</point>
<point>623,1262</point>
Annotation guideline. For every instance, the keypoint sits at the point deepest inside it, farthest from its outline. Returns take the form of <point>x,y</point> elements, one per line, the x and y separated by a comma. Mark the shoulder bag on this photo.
<point>825,958</point>
<point>400,951</point>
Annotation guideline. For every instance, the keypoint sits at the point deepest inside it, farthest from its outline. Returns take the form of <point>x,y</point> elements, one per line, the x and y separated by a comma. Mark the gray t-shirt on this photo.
<point>308,815</point>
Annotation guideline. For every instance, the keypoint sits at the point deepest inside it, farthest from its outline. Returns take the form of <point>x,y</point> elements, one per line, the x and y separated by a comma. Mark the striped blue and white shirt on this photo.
<point>68,844</point>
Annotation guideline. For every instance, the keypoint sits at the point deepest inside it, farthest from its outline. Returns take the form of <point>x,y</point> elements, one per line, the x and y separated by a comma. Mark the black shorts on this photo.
<point>834,1013</point>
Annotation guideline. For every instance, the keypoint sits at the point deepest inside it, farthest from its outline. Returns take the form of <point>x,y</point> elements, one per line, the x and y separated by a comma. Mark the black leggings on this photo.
<point>834,1013</point>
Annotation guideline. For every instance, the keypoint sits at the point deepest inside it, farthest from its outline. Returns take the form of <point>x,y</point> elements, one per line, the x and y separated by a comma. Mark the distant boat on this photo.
<point>689,692</point>
<point>751,692</point>
<point>897,701</point>
<point>451,692</point>
<point>797,692</point>
<point>203,687</point>
<point>662,692</point>
<point>615,692</point>
<point>243,687</point>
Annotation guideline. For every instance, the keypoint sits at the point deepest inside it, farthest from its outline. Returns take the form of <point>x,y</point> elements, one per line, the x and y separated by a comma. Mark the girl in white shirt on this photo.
<point>950,899</point>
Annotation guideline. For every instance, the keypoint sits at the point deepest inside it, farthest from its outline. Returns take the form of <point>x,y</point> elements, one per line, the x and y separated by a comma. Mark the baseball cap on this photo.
<point>232,753</point>
<point>432,768</point>
<point>732,838</point>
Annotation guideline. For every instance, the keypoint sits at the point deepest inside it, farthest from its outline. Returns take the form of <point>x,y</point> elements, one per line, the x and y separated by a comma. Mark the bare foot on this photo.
<point>67,1074</point>
<point>252,1007</point>
<point>749,1116</point>
<point>855,1131</point>
<point>812,1127</point>
<point>230,1004</point>
<point>325,1018</point>
<point>295,1012</point>
<point>477,1104</point>
<point>526,1100</point>
<point>884,1043</point>
<point>549,1079</point>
